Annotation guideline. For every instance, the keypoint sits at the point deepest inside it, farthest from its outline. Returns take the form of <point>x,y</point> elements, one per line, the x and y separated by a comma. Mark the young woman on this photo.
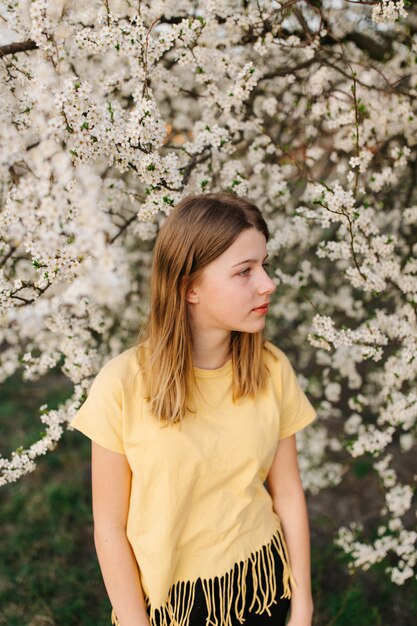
<point>187,428</point>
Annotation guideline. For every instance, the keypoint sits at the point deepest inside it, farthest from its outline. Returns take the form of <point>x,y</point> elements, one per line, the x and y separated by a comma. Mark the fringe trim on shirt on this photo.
<point>176,611</point>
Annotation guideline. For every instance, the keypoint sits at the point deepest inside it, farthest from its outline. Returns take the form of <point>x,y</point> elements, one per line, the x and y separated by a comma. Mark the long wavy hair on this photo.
<point>197,231</point>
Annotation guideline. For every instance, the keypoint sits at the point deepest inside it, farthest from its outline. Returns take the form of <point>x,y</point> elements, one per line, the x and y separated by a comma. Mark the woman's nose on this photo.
<point>267,285</point>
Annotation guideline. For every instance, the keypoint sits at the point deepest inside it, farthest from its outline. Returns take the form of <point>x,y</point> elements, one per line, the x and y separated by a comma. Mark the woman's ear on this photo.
<point>192,296</point>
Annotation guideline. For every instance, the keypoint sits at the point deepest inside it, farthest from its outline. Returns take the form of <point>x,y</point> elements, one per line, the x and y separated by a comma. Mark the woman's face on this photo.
<point>231,287</point>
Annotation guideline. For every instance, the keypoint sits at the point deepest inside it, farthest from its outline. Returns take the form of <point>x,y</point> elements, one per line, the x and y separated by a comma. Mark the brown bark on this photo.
<point>18,46</point>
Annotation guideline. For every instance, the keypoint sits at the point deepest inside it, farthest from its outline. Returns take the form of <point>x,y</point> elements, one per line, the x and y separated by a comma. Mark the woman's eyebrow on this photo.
<point>249,261</point>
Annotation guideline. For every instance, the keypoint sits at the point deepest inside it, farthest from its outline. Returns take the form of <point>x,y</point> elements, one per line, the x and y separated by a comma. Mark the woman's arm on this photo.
<point>287,493</point>
<point>111,479</point>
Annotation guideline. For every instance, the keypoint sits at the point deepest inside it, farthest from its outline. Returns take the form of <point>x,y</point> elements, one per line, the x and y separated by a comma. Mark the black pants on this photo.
<point>278,611</point>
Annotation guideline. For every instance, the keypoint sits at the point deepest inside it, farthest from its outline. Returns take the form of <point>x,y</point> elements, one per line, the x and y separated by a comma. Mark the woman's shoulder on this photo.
<point>122,366</point>
<point>272,352</point>
<point>275,358</point>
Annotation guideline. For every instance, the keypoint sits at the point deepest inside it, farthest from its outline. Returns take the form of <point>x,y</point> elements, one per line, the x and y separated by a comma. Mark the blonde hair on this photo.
<point>198,230</point>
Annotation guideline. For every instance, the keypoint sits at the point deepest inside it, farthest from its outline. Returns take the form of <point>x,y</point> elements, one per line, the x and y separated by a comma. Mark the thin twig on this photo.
<point>355,101</point>
<point>145,58</point>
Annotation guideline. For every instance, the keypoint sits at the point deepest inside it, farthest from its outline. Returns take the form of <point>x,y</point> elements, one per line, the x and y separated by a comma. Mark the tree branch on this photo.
<point>19,46</point>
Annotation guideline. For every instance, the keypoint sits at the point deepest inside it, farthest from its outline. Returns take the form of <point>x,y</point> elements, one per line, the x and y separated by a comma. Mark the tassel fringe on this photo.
<point>176,611</point>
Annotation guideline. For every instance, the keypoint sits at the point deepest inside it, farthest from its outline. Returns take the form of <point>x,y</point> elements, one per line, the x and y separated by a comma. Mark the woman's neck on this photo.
<point>210,353</point>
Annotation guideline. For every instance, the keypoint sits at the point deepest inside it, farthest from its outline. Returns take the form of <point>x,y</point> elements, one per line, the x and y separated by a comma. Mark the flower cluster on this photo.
<point>388,10</point>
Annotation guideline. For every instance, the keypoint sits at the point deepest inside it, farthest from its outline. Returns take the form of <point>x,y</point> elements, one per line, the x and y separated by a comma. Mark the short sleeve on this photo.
<point>100,417</point>
<point>296,411</point>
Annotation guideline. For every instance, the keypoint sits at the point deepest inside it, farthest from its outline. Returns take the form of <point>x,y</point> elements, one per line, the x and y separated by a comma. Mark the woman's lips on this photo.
<point>262,309</point>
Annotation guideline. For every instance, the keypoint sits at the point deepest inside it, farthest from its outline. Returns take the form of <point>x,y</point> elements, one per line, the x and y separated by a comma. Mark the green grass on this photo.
<point>49,574</point>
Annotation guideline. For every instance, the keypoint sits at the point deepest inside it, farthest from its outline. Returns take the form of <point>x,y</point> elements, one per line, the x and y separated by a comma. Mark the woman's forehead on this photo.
<point>249,246</point>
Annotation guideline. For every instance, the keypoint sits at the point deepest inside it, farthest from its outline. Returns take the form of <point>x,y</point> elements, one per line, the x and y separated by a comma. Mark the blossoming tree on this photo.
<point>111,111</point>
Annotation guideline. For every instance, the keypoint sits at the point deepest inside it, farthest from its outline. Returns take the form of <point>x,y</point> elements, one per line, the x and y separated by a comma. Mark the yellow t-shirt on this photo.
<point>198,503</point>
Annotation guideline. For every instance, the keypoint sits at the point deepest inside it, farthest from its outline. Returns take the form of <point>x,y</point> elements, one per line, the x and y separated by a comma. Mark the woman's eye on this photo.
<point>247,270</point>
